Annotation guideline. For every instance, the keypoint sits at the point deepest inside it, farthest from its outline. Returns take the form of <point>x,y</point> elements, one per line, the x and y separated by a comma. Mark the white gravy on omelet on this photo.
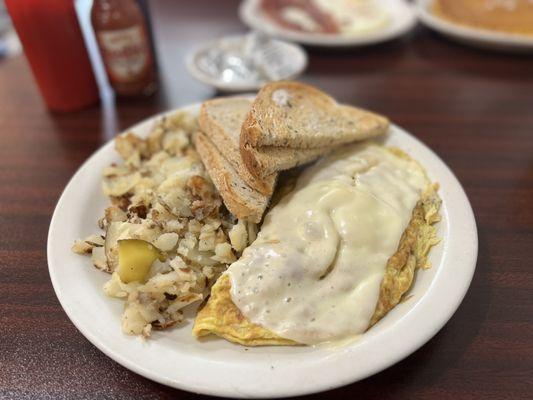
<point>313,274</point>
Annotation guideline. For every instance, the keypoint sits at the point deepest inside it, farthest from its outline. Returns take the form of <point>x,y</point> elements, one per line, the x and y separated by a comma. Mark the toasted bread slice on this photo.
<point>292,114</point>
<point>221,121</point>
<point>302,122</point>
<point>267,160</point>
<point>241,200</point>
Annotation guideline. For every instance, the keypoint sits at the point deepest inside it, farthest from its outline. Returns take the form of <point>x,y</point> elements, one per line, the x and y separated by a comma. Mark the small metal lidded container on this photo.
<point>246,62</point>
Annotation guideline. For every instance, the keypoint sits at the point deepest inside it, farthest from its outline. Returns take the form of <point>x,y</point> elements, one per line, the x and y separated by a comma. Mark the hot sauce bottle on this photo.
<point>122,35</point>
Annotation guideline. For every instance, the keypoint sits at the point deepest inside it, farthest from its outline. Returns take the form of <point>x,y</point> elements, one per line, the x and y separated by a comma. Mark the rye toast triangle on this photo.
<point>270,159</point>
<point>221,121</point>
<point>241,200</point>
<point>296,115</point>
<point>291,123</point>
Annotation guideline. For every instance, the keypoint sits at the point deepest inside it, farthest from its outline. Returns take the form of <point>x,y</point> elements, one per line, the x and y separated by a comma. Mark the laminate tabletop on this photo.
<point>474,108</point>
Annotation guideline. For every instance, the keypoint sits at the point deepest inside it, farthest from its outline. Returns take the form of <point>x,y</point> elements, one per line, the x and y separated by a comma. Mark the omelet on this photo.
<point>220,316</point>
<point>328,307</point>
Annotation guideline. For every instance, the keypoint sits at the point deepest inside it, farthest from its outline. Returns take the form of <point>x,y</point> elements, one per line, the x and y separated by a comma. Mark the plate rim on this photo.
<point>250,17</point>
<point>406,348</point>
<point>478,37</point>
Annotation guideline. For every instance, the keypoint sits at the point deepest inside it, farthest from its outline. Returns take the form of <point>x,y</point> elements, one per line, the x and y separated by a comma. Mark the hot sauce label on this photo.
<point>126,53</point>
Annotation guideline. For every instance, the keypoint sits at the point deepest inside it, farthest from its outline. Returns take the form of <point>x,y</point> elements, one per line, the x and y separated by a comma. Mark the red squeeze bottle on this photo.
<point>54,46</point>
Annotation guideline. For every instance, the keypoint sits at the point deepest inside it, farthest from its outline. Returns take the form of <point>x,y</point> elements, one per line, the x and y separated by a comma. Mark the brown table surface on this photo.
<point>474,108</point>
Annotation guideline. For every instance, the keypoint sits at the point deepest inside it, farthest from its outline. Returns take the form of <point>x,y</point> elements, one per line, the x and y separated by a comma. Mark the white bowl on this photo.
<point>293,56</point>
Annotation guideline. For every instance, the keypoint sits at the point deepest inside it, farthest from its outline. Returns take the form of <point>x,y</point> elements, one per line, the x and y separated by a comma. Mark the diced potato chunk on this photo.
<point>135,257</point>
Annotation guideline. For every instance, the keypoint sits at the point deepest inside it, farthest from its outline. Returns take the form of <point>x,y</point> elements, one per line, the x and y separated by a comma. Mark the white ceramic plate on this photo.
<point>403,19</point>
<point>217,367</point>
<point>473,36</point>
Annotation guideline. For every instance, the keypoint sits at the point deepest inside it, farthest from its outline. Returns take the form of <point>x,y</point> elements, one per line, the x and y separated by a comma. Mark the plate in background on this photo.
<point>217,367</point>
<point>403,19</point>
<point>473,36</point>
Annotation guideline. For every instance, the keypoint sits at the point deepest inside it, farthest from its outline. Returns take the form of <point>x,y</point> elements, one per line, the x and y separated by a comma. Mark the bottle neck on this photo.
<point>115,14</point>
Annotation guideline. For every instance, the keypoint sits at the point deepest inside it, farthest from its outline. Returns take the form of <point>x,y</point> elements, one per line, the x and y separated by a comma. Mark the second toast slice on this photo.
<point>221,121</point>
<point>241,200</point>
